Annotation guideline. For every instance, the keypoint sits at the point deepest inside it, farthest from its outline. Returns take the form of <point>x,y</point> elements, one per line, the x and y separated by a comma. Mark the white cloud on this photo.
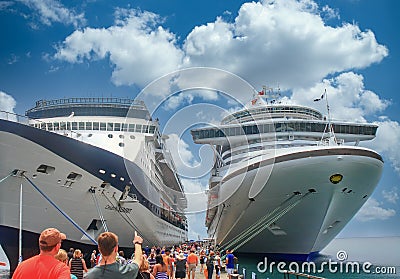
<point>391,196</point>
<point>197,229</point>
<point>283,41</point>
<point>347,97</point>
<point>195,194</point>
<point>180,152</point>
<point>387,141</point>
<point>7,104</point>
<point>139,49</point>
<point>50,11</point>
<point>373,210</point>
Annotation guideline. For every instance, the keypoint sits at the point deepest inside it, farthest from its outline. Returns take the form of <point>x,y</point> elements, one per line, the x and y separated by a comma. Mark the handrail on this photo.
<point>18,116</point>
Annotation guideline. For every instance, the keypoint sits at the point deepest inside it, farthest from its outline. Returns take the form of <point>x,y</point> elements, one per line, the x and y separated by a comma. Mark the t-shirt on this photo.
<point>113,271</point>
<point>231,261</point>
<point>192,258</point>
<point>42,267</point>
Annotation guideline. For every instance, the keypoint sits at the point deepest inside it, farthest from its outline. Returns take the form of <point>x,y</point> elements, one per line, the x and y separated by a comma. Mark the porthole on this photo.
<point>102,171</point>
<point>110,136</point>
<point>90,135</point>
<point>121,144</point>
<point>121,136</point>
<point>132,136</point>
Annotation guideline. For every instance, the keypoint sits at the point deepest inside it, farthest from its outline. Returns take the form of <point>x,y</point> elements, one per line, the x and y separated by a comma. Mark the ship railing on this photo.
<point>22,119</point>
<point>88,100</point>
<point>11,116</point>
<point>287,275</point>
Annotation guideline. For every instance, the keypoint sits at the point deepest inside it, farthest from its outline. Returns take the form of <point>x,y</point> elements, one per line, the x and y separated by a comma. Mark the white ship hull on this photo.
<point>23,148</point>
<point>302,210</point>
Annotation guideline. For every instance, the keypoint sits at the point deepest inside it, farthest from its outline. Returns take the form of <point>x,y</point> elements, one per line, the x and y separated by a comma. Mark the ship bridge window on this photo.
<point>89,125</point>
<point>74,125</point>
<point>117,126</point>
<point>110,126</point>
<point>152,129</point>
<point>103,126</point>
<point>63,126</point>
<point>138,128</point>
<point>96,126</point>
<point>74,176</point>
<point>46,169</point>
<point>131,128</point>
<point>124,127</point>
<point>145,128</point>
<point>50,126</point>
<point>81,126</point>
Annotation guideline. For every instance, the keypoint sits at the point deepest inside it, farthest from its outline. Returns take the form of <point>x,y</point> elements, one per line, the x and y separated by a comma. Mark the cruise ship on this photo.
<point>85,166</point>
<point>286,179</point>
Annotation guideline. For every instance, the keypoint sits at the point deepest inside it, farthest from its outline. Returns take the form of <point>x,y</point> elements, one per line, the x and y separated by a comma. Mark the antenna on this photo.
<point>330,126</point>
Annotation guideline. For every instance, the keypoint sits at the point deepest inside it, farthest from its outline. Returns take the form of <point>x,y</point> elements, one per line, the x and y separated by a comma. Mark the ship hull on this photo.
<point>98,177</point>
<point>298,208</point>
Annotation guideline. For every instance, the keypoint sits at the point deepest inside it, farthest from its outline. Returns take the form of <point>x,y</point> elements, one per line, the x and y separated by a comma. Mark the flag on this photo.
<point>254,101</point>
<point>261,93</point>
<point>322,96</point>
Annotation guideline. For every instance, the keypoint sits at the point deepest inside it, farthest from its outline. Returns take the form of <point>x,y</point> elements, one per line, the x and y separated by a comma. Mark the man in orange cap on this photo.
<point>44,265</point>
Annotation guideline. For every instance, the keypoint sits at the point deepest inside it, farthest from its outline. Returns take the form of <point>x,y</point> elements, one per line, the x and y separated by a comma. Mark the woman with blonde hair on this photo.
<point>144,270</point>
<point>77,265</point>
<point>62,256</point>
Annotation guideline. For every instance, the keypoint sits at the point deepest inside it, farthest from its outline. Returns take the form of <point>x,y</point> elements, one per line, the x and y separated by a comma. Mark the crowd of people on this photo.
<point>177,262</point>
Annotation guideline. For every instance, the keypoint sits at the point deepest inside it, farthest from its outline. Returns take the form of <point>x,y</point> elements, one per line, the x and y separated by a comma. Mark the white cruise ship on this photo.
<point>87,165</point>
<point>286,179</point>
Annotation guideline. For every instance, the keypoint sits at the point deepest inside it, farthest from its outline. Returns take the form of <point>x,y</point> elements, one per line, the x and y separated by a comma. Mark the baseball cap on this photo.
<point>51,237</point>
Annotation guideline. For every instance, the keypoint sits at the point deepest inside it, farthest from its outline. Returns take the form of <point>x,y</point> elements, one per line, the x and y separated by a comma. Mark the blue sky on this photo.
<point>54,49</point>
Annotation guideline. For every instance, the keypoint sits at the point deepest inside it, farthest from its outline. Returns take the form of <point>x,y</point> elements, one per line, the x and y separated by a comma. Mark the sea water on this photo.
<point>352,258</point>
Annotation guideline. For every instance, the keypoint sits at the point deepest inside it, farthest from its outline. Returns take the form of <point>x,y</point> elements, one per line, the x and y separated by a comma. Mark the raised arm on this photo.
<point>137,241</point>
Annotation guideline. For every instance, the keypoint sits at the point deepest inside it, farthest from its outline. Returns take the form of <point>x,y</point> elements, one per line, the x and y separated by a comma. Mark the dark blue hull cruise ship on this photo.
<point>85,166</point>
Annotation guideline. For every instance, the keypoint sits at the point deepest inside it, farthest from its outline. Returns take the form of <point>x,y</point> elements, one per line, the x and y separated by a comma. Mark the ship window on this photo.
<point>74,176</point>
<point>121,136</point>
<point>43,126</point>
<point>45,169</point>
<point>88,125</point>
<point>124,127</point>
<point>117,126</point>
<point>121,144</point>
<point>56,126</point>
<point>102,126</point>
<point>68,126</point>
<point>152,129</point>
<point>145,128</point>
<point>81,126</point>
<point>50,126</point>
<point>96,126</point>
<point>62,126</point>
<point>74,125</point>
<point>138,128</point>
<point>110,136</point>
<point>131,127</point>
<point>110,126</point>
